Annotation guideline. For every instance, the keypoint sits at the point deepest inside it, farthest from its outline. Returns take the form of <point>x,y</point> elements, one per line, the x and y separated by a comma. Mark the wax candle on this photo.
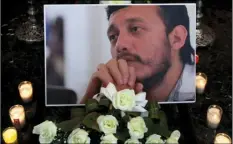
<point>201,80</point>
<point>214,115</point>
<point>9,135</point>
<point>222,138</point>
<point>26,91</point>
<point>17,115</point>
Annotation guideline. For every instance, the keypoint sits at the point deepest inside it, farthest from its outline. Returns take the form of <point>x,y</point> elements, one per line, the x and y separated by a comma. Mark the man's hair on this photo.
<point>172,16</point>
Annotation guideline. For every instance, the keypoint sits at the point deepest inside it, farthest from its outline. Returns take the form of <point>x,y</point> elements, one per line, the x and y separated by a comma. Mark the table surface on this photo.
<point>26,62</point>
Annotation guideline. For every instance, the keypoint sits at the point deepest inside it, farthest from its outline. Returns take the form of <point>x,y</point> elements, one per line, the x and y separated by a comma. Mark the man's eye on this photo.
<point>134,29</point>
<point>112,37</point>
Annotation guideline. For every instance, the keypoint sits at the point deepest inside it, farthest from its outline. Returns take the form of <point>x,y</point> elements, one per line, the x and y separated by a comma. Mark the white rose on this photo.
<point>108,139</point>
<point>137,127</point>
<point>107,124</point>
<point>155,139</point>
<point>132,141</point>
<point>47,131</point>
<point>124,100</point>
<point>174,137</point>
<point>171,140</point>
<point>79,136</point>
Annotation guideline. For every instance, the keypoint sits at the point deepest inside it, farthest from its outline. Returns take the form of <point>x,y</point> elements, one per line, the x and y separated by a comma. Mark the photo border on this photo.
<point>81,105</point>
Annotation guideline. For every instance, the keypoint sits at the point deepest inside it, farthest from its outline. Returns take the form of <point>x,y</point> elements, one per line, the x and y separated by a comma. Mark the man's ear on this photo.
<point>178,37</point>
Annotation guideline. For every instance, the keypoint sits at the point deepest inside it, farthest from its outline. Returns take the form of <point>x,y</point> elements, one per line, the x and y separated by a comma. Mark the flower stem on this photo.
<point>110,107</point>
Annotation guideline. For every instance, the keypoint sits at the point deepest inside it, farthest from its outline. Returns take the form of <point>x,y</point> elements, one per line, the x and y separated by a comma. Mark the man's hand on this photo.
<point>117,72</point>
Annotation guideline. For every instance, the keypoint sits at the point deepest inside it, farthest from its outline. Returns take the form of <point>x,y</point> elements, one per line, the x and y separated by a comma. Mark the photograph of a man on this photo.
<point>149,48</point>
<point>151,51</point>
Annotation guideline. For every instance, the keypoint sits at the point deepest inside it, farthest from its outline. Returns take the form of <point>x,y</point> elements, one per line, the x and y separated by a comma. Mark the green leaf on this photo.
<point>104,101</point>
<point>69,125</point>
<point>153,109</point>
<point>133,114</point>
<point>163,119</point>
<point>122,134</point>
<point>156,128</point>
<point>115,112</point>
<point>161,130</point>
<point>126,118</point>
<point>78,112</point>
<point>150,125</point>
<point>90,121</point>
<point>91,105</point>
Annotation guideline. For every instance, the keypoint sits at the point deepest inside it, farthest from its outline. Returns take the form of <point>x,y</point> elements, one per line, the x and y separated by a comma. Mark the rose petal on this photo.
<point>106,93</point>
<point>138,109</point>
<point>141,96</point>
<point>141,103</point>
<point>96,97</point>
<point>111,89</point>
<point>37,128</point>
<point>122,114</point>
<point>175,134</point>
<point>145,114</point>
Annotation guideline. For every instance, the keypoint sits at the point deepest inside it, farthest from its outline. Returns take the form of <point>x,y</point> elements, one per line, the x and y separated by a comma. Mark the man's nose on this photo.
<point>124,43</point>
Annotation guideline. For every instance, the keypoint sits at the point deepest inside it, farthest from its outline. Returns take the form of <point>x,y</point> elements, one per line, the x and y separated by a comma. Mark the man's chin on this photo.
<point>150,81</point>
<point>141,76</point>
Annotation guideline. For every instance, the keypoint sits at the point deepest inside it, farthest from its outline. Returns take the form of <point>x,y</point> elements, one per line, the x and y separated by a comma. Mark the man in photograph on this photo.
<point>151,52</point>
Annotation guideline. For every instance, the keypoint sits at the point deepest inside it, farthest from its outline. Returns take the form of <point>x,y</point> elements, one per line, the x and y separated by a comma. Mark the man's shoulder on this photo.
<point>189,70</point>
<point>188,86</point>
<point>188,77</point>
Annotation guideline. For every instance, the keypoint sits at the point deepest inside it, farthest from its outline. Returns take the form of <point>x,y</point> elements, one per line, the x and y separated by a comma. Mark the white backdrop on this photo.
<point>86,43</point>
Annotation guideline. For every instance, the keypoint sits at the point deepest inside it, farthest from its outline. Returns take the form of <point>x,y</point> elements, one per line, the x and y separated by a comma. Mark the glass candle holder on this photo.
<point>214,116</point>
<point>201,81</point>
<point>222,138</point>
<point>17,116</point>
<point>9,135</point>
<point>26,91</point>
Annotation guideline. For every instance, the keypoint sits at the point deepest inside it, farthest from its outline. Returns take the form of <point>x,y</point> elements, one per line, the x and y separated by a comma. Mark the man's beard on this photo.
<point>157,78</point>
<point>150,81</point>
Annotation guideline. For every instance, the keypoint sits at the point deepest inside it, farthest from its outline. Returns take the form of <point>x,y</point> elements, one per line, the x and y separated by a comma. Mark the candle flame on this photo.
<point>10,135</point>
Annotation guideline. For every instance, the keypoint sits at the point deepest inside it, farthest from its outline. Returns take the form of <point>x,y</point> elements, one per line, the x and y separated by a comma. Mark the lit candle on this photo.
<point>25,91</point>
<point>222,138</point>
<point>201,80</point>
<point>214,115</point>
<point>10,135</point>
<point>17,115</point>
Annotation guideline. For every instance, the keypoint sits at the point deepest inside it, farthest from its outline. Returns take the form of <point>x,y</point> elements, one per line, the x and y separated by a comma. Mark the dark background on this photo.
<point>11,9</point>
<point>215,61</point>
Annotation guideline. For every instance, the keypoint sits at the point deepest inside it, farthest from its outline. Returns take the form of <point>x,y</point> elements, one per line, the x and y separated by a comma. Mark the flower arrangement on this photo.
<point>111,117</point>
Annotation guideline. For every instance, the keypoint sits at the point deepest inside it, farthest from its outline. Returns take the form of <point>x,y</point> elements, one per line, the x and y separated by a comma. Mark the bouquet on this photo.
<point>111,117</point>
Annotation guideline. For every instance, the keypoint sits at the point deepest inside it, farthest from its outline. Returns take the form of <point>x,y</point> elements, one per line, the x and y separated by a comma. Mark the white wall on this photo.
<point>86,42</point>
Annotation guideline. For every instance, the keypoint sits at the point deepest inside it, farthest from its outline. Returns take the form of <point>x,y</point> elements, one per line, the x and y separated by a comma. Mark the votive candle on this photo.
<point>201,80</point>
<point>9,135</point>
<point>17,115</point>
<point>214,115</point>
<point>26,91</point>
<point>222,138</point>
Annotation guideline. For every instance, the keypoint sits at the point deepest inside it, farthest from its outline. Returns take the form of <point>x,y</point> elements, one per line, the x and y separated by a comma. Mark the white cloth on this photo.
<point>185,89</point>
